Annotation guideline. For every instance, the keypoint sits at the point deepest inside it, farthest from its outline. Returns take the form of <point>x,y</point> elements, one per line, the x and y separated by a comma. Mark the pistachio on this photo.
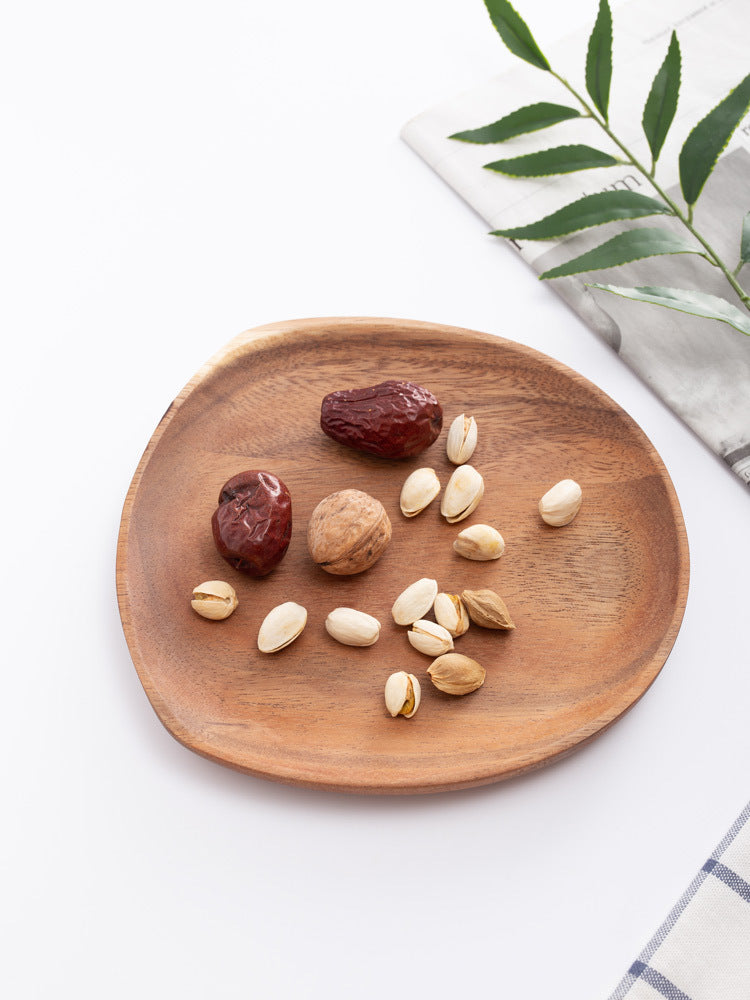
<point>430,638</point>
<point>462,494</point>
<point>486,608</point>
<point>451,614</point>
<point>462,439</point>
<point>560,505</point>
<point>456,674</point>
<point>352,628</point>
<point>281,626</point>
<point>418,492</point>
<point>214,599</point>
<point>414,602</point>
<point>480,542</point>
<point>402,694</point>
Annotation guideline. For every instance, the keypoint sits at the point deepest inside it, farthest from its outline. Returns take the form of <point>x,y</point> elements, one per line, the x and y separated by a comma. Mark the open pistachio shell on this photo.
<point>402,694</point>
<point>414,602</point>
<point>418,492</point>
<point>281,626</point>
<point>430,638</point>
<point>462,439</point>
<point>462,494</point>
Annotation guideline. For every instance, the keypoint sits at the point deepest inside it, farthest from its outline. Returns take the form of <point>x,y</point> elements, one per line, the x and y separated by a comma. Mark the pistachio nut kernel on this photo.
<point>214,599</point>
<point>352,628</point>
<point>456,674</point>
<point>402,694</point>
<point>487,609</point>
<point>418,492</point>
<point>430,638</point>
<point>415,601</point>
<point>462,494</point>
<point>462,439</point>
<point>480,542</point>
<point>451,614</point>
<point>281,626</point>
<point>560,504</point>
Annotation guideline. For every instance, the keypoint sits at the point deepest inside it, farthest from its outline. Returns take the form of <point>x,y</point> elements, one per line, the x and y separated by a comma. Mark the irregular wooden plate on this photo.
<point>597,604</point>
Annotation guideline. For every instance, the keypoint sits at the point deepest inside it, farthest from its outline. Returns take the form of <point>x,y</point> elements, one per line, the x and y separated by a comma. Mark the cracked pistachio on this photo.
<point>281,626</point>
<point>560,505</point>
<point>462,439</point>
<point>462,494</point>
<point>480,542</point>
<point>214,599</point>
<point>430,638</point>
<point>414,602</point>
<point>451,614</point>
<point>402,694</point>
<point>418,492</point>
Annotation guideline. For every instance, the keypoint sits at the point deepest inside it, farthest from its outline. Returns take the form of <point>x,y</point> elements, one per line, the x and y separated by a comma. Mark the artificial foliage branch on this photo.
<point>697,159</point>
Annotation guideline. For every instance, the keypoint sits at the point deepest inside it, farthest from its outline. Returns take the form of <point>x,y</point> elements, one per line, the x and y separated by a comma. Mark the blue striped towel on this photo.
<point>702,950</point>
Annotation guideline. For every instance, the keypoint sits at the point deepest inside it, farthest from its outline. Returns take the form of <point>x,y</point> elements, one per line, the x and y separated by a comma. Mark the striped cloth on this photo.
<point>702,950</point>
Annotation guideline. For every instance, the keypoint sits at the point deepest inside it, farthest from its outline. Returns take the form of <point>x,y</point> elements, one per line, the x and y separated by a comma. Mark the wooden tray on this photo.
<point>597,604</point>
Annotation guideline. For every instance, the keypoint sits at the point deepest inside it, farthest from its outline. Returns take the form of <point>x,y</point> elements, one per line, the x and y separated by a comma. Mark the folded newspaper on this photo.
<point>700,367</point>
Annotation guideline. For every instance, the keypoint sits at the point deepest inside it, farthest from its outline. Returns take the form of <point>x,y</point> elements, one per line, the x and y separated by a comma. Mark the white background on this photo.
<point>174,173</point>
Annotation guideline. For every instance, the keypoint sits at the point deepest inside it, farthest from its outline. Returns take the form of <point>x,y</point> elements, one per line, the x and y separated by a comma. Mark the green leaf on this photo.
<point>661,103</point>
<point>528,119</point>
<point>707,141</point>
<point>593,210</point>
<point>694,303</point>
<point>634,244</point>
<point>599,59</point>
<point>559,160</point>
<point>745,241</point>
<point>514,32</point>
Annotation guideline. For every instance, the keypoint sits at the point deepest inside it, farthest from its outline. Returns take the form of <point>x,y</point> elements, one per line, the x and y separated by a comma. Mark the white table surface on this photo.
<point>175,173</point>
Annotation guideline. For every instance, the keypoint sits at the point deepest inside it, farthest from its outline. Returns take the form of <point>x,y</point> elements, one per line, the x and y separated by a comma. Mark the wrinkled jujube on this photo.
<point>252,525</point>
<point>392,419</point>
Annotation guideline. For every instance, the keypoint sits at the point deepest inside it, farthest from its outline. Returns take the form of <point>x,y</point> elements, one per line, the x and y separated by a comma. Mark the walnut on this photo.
<point>348,532</point>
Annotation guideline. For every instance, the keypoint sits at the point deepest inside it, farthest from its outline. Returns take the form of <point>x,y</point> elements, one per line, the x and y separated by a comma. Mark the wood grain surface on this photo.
<point>597,603</point>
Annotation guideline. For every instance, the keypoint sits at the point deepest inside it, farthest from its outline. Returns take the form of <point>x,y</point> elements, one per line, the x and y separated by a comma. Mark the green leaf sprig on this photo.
<point>661,103</point>
<point>599,60</point>
<point>698,157</point>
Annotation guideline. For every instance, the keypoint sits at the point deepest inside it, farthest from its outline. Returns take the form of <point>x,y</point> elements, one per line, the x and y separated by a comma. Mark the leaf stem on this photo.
<point>686,220</point>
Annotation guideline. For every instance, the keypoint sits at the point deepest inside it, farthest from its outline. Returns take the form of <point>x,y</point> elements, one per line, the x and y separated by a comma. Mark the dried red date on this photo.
<point>393,419</point>
<point>253,523</point>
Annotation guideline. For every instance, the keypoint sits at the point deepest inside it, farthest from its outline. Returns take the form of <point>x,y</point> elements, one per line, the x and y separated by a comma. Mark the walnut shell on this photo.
<point>348,532</point>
